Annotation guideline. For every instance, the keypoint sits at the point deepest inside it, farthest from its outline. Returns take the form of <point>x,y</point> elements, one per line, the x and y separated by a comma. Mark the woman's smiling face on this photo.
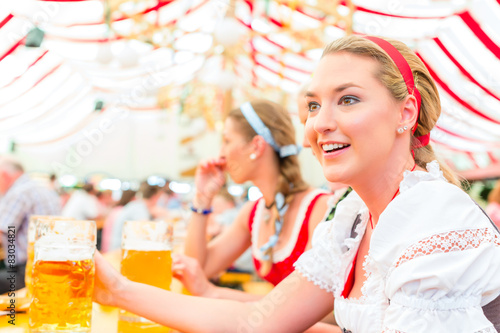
<point>352,119</point>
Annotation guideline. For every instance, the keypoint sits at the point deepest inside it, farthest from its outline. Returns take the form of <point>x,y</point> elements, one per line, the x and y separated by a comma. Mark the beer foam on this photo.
<point>145,245</point>
<point>63,252</point>
<point>153,231</point>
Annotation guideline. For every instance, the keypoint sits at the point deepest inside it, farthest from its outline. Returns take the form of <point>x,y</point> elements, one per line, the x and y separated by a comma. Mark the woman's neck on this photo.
<point>267,183</point>
<point>378,191</point>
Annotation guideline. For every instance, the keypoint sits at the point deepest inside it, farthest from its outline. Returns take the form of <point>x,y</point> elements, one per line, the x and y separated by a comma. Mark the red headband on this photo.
<point>407,74</point>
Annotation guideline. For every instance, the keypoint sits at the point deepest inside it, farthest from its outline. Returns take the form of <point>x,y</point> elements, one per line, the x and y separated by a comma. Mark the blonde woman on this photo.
<point>258,145</point>
<point>408,251</point>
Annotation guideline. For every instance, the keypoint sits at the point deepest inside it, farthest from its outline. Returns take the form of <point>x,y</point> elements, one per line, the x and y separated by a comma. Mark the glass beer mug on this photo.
<point>63,276</point>
<point>146,258</point>
<point>31,248</point>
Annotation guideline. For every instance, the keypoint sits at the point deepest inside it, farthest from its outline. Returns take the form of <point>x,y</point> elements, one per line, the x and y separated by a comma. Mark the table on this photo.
<point>105,318</point>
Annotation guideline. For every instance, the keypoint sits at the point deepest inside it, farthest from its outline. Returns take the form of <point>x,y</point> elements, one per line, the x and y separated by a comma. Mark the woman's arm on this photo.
<point>224,249</point>
<point>195,244</point>
<point>293,306</point>
<point>188,271</point>
<point>209,179</point>
<point>231,243</point>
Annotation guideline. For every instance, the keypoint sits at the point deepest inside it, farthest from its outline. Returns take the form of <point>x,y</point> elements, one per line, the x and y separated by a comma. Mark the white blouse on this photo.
<point>433,261</point>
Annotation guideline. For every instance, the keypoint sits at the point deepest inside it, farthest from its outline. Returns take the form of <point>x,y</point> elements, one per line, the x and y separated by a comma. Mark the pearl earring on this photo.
<point>405,128</point>
<point>253,156</point>
<point>400,130</point>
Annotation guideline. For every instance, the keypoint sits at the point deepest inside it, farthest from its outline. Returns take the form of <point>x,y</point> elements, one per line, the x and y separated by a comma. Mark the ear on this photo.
<point>409,112</point>
<point>258,144</point>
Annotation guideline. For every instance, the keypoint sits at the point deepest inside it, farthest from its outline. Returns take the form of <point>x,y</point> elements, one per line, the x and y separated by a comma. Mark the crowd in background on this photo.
<point>149,202</point>
<point>21,196</point>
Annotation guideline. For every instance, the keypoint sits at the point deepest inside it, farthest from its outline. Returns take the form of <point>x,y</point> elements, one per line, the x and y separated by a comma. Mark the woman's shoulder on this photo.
<point>311,197</point>
<point>427,208</point>
<point>310,193</point>
<point>248,207</point>
<point>429,193</point>
<point>423,180</point>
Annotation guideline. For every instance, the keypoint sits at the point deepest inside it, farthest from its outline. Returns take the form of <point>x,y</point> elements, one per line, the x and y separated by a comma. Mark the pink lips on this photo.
<point>334,153</point>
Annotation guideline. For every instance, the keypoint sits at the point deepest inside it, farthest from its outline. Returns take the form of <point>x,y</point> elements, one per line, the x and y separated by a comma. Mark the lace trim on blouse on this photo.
<point>449,242</point>
<point>335,244</point>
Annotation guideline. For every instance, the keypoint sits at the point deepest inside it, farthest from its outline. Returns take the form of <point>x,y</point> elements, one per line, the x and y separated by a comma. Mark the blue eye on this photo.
<point>313,106</point>
<point>348,100</point>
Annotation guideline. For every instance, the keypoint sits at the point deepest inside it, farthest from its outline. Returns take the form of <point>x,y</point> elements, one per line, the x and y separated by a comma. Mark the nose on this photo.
<point>325,119</point>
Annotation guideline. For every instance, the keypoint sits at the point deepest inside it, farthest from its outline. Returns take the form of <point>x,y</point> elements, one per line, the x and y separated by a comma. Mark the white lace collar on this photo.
<point>412,178</point>
<point>345,242</point>
<point>350,207</point>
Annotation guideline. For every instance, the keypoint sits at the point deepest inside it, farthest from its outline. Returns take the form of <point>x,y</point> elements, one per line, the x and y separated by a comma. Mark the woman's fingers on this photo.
<point>213,165</point>
<point>189,272</point>
<point>178,266</point>
<point>107,281</point>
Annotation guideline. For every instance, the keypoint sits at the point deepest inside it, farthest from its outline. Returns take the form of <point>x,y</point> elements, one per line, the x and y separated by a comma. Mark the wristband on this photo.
<point>201,211</point>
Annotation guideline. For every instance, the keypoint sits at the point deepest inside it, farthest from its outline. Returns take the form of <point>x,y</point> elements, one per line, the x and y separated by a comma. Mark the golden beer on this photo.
<point>146,258</point>
<point>31,248</point>
<point>63,276</point>
<point>152,267</point>
<point>62,297</point>
<point>149,267</point>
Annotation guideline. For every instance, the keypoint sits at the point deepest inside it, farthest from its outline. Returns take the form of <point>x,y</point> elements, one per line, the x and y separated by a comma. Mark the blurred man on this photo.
<point>144,208</point>
<point>82,204</point>
<point>21,197</point>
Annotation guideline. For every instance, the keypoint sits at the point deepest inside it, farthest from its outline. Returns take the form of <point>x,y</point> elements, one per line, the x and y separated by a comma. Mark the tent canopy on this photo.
<point>115,85</point>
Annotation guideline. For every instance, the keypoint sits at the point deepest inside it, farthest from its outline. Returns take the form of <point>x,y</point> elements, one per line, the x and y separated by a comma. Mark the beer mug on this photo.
<point>31,248</point>
<point>146,258</point>
<point>63,276</point>
<point>146,253</point>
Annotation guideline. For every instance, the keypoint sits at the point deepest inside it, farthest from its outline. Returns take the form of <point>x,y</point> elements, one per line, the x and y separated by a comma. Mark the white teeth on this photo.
<point>329,147</point>
<point>332,146</point>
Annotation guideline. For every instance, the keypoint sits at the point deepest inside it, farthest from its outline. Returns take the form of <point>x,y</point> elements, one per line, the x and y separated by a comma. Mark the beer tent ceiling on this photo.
<point>102,62</point>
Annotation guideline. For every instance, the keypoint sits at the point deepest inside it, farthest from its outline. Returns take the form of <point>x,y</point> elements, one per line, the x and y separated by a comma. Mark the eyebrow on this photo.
<point>337,89</point>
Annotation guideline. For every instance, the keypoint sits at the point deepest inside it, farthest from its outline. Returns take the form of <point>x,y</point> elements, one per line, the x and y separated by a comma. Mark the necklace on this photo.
<point>282,207</point>
<point>271,205</point>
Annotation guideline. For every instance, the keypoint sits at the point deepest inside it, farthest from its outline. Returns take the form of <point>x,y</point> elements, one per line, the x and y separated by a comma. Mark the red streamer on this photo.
<point>486,143</point>
<point>13,48</point>
<point>473,160</point>
<point>5,20</point>
<point>491,156</point>
<point>366,10</point>
<point>483,37</point>
<point>37,82</point>
<point>449,147</point>
<point>462,69</point>
<point>32,64</point>
<point>453,95</point>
